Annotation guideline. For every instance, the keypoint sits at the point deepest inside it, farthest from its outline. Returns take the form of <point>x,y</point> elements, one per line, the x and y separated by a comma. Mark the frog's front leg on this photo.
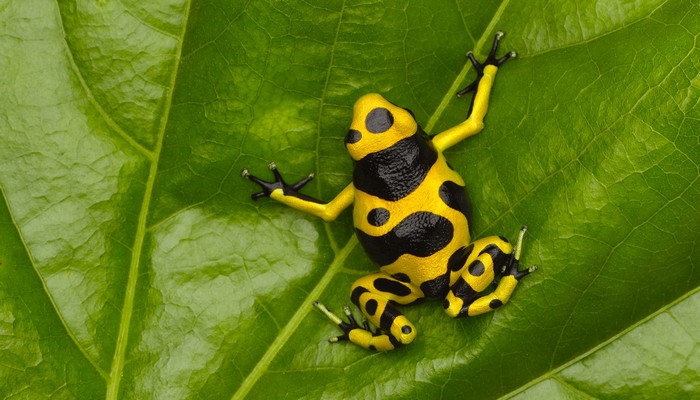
<point>289,195</point>
<point>482,85</point>
<point>488,258</point>
<point>373,294</point>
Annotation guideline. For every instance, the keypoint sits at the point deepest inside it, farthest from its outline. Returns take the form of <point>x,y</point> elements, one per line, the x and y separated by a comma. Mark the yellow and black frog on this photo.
<point>411,214</point>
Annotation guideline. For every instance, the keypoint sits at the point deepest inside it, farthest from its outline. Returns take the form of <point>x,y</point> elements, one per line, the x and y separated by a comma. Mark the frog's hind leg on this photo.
<point>489,258</point>
<point>374,295</point>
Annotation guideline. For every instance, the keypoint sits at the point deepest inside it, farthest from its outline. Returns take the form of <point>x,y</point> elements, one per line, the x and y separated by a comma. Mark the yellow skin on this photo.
<point>406,278</point>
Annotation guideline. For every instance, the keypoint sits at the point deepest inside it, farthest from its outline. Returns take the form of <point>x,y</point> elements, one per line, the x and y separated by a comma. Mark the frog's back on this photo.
<point>411,213</point>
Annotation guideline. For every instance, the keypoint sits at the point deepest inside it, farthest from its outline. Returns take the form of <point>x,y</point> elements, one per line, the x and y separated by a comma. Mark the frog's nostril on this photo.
<point>353,136</point>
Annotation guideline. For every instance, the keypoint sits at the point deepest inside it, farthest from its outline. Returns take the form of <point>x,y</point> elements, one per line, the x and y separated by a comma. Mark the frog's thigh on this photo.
<point>487,256</point>
<point>373,293</point>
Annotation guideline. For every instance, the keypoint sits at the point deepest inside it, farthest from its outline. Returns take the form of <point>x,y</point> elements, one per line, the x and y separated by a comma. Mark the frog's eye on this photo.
<point>353,136</point>
<point>379,120</point>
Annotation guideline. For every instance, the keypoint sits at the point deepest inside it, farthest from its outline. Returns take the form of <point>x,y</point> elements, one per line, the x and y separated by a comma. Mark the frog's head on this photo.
<point>377,124</point>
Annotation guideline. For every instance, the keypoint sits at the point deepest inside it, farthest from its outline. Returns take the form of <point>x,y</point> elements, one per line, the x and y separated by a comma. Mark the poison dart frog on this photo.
<point>412,215</point>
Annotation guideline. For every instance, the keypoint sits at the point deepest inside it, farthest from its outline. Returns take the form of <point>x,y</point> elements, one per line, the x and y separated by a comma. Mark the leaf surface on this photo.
<point>133,263</point>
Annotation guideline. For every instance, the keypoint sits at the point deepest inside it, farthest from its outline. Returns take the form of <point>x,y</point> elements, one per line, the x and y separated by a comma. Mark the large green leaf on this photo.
<point>133,263</point>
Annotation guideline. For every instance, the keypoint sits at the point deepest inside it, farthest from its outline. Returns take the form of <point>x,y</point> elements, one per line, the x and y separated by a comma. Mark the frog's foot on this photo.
<point>511,268</point>
<point>360,335</point>
<point>490,60</point>
<point>278,183</point>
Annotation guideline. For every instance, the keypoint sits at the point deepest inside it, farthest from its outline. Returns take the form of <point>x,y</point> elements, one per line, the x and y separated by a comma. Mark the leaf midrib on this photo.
<point>119,358</point>
<point>287,331</point>
<point>329,233</point>
<point>449,95</point>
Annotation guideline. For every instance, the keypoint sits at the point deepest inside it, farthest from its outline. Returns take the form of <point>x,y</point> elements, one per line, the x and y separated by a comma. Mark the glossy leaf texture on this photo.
<point>133,263</point>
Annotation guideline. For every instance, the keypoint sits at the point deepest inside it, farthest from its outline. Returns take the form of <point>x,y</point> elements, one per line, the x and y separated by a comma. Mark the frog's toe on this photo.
<point>359,335</point>
<point>277,183</point>
<point>490,60</point>
<point>346,327</point>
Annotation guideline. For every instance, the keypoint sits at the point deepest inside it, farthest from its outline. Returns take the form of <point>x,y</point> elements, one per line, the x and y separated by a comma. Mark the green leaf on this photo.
<point>133,263</point>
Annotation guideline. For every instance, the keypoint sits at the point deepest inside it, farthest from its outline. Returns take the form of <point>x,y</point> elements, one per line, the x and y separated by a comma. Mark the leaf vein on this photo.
<point>50,297</point>
<point>94,102</point>
<point>553,372</point>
